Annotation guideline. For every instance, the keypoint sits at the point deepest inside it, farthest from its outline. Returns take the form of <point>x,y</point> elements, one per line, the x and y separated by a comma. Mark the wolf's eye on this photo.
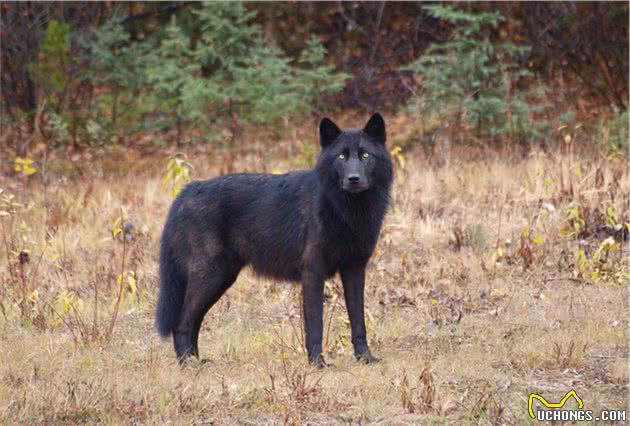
<point>342,156</point>
<point>365,155</point>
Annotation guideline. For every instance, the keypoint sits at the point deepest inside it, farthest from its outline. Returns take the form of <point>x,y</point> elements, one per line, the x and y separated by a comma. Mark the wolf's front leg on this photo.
<point>313,302</point>
<point>353,278</point>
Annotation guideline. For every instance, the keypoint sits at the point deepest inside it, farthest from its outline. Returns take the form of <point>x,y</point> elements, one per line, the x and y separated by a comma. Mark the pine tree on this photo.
<point>117,64</point>
<point>259,80</point>
<point>178,92</point>
<point>470,83</point>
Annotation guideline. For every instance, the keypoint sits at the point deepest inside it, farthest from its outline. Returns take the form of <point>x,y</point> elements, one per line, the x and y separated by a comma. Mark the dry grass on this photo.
<point>468,314</point>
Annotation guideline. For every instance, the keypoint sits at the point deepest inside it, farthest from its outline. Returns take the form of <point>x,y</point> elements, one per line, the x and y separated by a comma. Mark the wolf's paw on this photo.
<point>194,362</point>
<point>367,358</point>
<point>319,362</point>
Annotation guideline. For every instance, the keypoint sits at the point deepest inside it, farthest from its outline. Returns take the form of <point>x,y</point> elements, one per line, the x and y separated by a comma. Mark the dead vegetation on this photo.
<point>493,278</point>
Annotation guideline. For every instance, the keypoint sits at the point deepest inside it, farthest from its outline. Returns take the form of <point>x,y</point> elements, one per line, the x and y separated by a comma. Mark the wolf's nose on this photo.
<point>353,178</point>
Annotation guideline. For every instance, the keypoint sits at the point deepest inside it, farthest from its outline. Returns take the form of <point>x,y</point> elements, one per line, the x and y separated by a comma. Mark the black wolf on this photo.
<point>301,226</point>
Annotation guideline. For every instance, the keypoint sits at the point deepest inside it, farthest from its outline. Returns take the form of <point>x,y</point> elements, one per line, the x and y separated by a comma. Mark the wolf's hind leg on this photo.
<point>205,287</point>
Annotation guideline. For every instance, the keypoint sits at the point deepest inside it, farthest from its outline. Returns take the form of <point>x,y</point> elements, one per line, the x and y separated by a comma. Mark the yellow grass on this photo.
<point>488,330</point>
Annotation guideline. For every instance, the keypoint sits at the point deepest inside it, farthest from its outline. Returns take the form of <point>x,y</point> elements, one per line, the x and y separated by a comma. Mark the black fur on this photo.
<point>302,226</point>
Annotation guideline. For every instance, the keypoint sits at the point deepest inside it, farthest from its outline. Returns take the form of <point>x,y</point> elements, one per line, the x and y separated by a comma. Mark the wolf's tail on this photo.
<point>172,291</point>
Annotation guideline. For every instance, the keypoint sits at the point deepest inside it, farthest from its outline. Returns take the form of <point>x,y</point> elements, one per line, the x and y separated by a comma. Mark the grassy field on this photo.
<point>493,278</point>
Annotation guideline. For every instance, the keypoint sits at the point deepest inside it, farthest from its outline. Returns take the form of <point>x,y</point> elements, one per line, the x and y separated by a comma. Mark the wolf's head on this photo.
<point>354,160</point>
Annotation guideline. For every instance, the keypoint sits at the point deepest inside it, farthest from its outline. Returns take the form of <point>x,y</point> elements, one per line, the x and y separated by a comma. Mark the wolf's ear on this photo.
<point>328,132</point>
<point>375,128</point>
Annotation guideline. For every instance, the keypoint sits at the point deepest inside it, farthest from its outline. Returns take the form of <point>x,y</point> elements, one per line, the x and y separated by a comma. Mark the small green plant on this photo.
<point>475,235</point>
<point>178,173</point>
<point>95,131</point>
<point>58,127</point>
<point>612,218</point>
<point>129,285</point>
<point>67,308</point>
<point>530,247</point>
<point>612,133</point>
<point>575,224</point>
<point>602,266</point>
<point>124,280</point>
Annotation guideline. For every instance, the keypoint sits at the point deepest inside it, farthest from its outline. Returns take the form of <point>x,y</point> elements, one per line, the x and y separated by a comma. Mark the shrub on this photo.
<point>50,73</point>
<point>50,69</point>
<point>612,133</point>
<point>115,64</point>
<point>259,80</point>
<point>178,93</point>
<point>228,73</point>
<point>471,84</point>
